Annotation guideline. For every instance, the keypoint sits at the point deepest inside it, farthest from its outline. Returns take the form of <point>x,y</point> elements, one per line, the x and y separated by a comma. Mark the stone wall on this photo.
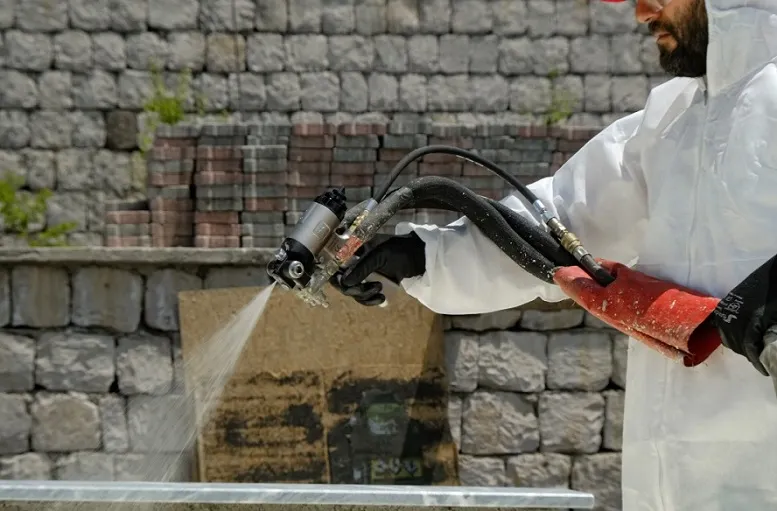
<point>76,75</point>
<point>89,352</point>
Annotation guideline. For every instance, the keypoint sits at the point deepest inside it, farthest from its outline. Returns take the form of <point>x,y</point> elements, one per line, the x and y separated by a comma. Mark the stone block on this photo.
<point>121,130</point>
<point>579,360</point>
<point>320,92</point>
<point>620,355</point>
<point>599,474</point>
<point>15,425</point>
<point>160,424</point>
<point>481,471</point>
<point>271,15</point>
<point>461,360</point>
<point>75,361</point>
<point>497,423</point>
<point>338,17</point>
<point>613,419</point>
<point>455,410</point>
<point>41,16</point>
<point>19,90</point>
<point>354,92</point>
<point>173,14</point>
<point>539,470</point>
<point>107,297</point>
<point>84,466</point>
<point>144,364</point>
<point>350,53</point>
<point>162,288</point>
<point>513,361</point>
<point>17,363</point>
<point>40,296</point>
<point>113,417</point>
<point>31,466</point>
<point>571,422</point>
<point>64,422</point>
<point>551,320</point>
<point>90,15</point>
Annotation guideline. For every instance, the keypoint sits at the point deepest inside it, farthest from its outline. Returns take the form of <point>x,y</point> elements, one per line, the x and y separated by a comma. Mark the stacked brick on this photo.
<point>170,186</point>
<point>127,223</point>
<point>245,185</point>
<point>219,186</point>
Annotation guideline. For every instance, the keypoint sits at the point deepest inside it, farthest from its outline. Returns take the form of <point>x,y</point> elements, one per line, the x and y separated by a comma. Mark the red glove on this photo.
<point>665,316</point>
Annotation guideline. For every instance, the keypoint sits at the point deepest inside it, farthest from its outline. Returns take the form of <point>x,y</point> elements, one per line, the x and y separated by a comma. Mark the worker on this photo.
<point>686,188</point>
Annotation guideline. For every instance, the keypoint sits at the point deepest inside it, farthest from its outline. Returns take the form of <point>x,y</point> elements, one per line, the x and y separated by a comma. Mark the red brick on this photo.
<point>362,129</point>
<point>393,155</point>
<point>361,168</point>
<point>299,179</point>
<point>313,129</point>
<point>219,153</point>
<point>312,142</point>
<point>218,178</point>
<point>217,217</point>
<point>310,155</point>
<point>201,229</point>
<point>172,204</point>
<point>259,204</point>
<point>228,165</point>
<point>171,230</point>
<point>474,170</point>
<point>170,179</point>
<point>217,241</point>
<point>161,216</point>
<point>441,158</point>
<point>304,192</point>
<point>351,180</point>
<point>127,217</point>
<point>310,167</point>
<point>166,153</point>
<point>440,169</point>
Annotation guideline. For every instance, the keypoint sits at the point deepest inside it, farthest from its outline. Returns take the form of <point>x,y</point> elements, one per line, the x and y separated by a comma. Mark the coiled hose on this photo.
<point>535,250</point>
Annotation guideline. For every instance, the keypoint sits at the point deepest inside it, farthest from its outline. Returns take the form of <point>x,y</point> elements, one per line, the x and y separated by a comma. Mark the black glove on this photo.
<point>743,316</point>
<point>394,257</point>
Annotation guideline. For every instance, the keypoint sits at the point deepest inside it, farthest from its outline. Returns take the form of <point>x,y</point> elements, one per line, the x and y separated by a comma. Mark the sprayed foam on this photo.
<point>207,370</point>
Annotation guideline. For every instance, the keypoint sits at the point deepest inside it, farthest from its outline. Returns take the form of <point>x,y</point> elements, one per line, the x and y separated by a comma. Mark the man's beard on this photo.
<point>689,58</point>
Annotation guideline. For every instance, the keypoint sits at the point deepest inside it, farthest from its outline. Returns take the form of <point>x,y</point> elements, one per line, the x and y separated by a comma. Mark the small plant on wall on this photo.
<point>22,211</point>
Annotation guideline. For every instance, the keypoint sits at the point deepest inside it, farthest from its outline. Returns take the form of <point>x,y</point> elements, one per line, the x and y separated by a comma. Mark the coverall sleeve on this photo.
<point>599,194</point>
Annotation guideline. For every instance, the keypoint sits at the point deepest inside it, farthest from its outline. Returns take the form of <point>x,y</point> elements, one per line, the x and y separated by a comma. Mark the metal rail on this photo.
<point>72,495</point>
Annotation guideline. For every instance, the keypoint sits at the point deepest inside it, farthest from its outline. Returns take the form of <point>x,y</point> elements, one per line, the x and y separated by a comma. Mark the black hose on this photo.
<point>456,151</point>
<point>560,233</point>
<point>477,209</point>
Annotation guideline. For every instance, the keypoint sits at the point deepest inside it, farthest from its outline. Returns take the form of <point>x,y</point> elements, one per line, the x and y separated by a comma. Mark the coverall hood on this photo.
<point>742,38</point>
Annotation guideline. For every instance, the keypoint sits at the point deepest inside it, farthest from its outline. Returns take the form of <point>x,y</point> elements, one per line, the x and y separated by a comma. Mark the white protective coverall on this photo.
<point>688,186</point>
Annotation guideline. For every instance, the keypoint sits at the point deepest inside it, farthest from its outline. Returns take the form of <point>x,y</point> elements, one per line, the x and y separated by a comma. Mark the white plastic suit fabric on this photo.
<point>688,186</point>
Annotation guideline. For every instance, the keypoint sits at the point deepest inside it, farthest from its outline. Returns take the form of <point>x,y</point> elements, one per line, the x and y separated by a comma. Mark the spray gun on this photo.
<point>328,235</point>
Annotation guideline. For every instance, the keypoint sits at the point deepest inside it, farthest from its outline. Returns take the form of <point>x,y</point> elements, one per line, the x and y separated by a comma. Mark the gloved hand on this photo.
<point>395,257</point>
<point>745,314</point>
<point>668,318</point>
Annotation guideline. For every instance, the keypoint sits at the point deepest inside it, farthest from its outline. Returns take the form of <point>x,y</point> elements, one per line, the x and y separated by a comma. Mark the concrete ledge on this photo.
<point>300,497</point>
<point>138,255</point>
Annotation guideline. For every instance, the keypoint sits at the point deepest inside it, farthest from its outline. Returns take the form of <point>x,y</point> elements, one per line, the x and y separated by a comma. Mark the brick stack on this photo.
<point>250,184</point>
<point>219,187</point>
<point>170,186</point>
<point>266,186</point>
<point>127,223</point>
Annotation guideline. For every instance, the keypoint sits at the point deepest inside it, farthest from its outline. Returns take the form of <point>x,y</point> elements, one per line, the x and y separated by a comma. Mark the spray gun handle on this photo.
<point>768,356</point>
